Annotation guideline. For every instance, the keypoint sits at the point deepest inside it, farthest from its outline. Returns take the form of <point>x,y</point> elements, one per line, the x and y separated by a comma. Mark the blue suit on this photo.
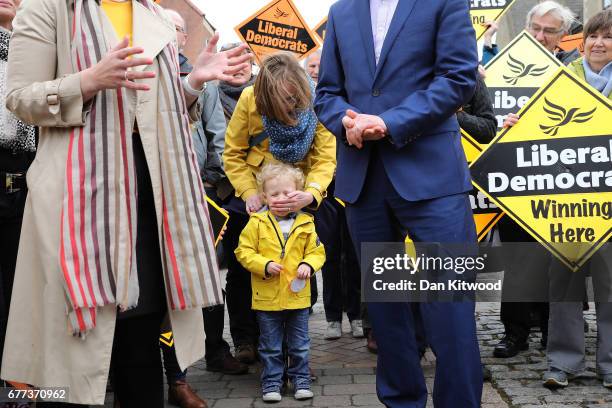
<point>413,181</point>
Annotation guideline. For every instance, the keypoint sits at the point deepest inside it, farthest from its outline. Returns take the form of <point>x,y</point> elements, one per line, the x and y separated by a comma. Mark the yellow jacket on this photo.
<point>241,163</point>
<point>262,242</point>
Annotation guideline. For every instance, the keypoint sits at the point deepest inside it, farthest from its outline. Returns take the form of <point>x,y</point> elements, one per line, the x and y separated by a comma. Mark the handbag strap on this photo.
<point>257,139</point>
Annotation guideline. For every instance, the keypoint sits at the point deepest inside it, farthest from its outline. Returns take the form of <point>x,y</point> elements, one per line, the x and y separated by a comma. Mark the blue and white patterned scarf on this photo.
<point>290,144</point>
<point>602,80</point>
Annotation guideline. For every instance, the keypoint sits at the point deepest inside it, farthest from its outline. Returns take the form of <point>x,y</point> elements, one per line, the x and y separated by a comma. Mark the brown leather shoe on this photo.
<point>227,365</point>
<point>245,353</point>
<point>180,394</point>
<point>371,345</point>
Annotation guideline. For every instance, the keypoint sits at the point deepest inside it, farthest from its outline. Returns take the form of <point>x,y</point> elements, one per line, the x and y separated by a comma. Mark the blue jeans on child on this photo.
<point>273,327</point>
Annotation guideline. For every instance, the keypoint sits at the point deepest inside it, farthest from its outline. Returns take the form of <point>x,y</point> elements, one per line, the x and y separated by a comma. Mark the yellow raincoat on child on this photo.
<point>262,242</point>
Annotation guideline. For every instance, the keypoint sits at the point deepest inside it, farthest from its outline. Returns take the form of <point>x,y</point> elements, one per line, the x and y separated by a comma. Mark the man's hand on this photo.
<point>491,29</point>
<point>362,127</point>
<point>303,271</point>
<point>482,71</point>
<point>274,268</point>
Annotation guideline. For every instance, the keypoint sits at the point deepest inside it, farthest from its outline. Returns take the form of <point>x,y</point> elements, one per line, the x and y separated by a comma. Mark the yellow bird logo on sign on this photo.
<point>280,13</point>
<point>520,70</point>
<point>563,116</point>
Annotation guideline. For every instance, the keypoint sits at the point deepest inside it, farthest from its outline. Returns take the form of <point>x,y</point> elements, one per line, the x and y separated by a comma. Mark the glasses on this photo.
<point>180,29</point>
<point>291,100</point>
<point>547,31</point>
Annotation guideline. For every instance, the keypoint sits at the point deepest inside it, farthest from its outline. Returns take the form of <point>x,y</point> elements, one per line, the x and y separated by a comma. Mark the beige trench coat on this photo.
<point>39,348</point>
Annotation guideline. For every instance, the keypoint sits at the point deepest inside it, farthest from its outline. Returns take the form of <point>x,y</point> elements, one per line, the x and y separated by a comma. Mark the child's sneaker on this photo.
<point>303,394</point>
<point>272,397</point>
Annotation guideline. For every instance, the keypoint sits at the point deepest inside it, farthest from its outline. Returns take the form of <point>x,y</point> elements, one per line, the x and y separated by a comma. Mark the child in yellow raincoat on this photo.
<point>281,250</point>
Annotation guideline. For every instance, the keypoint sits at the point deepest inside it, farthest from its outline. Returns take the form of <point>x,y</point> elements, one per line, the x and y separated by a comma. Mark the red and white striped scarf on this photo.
<point>98,224</point>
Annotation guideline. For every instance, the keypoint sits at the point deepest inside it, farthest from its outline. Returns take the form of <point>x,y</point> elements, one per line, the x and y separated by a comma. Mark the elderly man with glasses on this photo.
<point>547,22</point>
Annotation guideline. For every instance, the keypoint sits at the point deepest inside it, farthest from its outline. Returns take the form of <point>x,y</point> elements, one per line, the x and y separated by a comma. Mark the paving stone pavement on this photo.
<point>518,379</point>
<point>346,374</point>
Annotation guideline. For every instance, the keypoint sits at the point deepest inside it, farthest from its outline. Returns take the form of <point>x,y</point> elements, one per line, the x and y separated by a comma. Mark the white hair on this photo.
<point>557,10</point>
<point>307,60</point>
<point>175,14</point>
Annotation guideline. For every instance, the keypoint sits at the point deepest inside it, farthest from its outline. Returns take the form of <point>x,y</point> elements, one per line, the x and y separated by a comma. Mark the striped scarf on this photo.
<point>98,218</point>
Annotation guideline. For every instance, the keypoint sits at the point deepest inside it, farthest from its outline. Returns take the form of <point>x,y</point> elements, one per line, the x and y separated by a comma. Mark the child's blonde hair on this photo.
<point>274,170</point>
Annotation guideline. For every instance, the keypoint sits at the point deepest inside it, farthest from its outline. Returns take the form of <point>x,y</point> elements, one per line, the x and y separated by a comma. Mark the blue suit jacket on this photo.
<point>426,71</point>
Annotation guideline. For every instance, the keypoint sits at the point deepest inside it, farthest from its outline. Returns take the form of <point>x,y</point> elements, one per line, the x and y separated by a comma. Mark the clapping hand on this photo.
<point>212,65</point>
<point>362,127</point>
<point>113,71</point>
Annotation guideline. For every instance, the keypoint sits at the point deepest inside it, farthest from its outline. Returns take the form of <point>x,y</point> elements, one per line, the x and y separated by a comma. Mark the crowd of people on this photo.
<point>107,242</point>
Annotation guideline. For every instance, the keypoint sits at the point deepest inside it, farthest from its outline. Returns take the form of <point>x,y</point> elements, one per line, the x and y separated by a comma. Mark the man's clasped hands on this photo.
<point>361,127</point>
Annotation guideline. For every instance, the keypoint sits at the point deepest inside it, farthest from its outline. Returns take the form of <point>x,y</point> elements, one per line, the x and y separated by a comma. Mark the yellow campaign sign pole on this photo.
<point>552,171</point>
<point>482,11</point>
<point>278,26</point>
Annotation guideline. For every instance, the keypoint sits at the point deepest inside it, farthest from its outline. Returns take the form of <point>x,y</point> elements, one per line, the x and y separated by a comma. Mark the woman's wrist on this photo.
<point>196,84</point>
<point>88,88</point>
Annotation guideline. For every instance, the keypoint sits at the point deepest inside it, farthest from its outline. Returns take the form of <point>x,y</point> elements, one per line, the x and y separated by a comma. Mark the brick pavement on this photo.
<point>346,374</point>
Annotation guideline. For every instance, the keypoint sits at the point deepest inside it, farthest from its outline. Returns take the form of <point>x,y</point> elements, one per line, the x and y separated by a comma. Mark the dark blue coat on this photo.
<point>426,71</point>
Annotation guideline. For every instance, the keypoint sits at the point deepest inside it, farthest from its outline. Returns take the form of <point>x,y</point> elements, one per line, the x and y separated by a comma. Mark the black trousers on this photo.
<point>136,363</point>
<point>243,323</point>
<point>216,346</point>
<point>11,215</point>
<point>341,272</point>
<point>517,316</point>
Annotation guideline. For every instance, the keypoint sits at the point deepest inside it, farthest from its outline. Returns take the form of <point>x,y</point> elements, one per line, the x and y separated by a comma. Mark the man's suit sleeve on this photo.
<point>453,83</point>
<point>330,104</point>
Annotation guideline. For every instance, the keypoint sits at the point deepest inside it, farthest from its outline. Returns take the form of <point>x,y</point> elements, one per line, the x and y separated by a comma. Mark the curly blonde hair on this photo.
<point>276,170</point>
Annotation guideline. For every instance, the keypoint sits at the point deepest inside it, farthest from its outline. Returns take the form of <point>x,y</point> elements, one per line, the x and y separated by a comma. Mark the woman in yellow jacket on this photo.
<point>273,122</point>
<point>281,250</point>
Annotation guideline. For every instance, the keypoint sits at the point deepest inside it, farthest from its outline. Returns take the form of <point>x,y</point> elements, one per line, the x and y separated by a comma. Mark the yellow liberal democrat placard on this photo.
<point>320,30</point>
<point>516,73</point>
<point>277,27</point>
<point>486,213</point>
<point>218,218</point>
<point>487,10</point>
<point>552,171</point>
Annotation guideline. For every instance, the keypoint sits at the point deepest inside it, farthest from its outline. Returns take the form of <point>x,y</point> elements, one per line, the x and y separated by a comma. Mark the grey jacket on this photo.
<point>209,136</point>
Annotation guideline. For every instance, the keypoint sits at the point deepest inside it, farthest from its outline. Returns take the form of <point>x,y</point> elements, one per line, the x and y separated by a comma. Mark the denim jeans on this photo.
<point>273,328</point>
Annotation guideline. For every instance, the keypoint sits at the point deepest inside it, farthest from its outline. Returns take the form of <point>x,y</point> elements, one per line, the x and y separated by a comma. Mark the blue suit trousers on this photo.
<point>381,215</point>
